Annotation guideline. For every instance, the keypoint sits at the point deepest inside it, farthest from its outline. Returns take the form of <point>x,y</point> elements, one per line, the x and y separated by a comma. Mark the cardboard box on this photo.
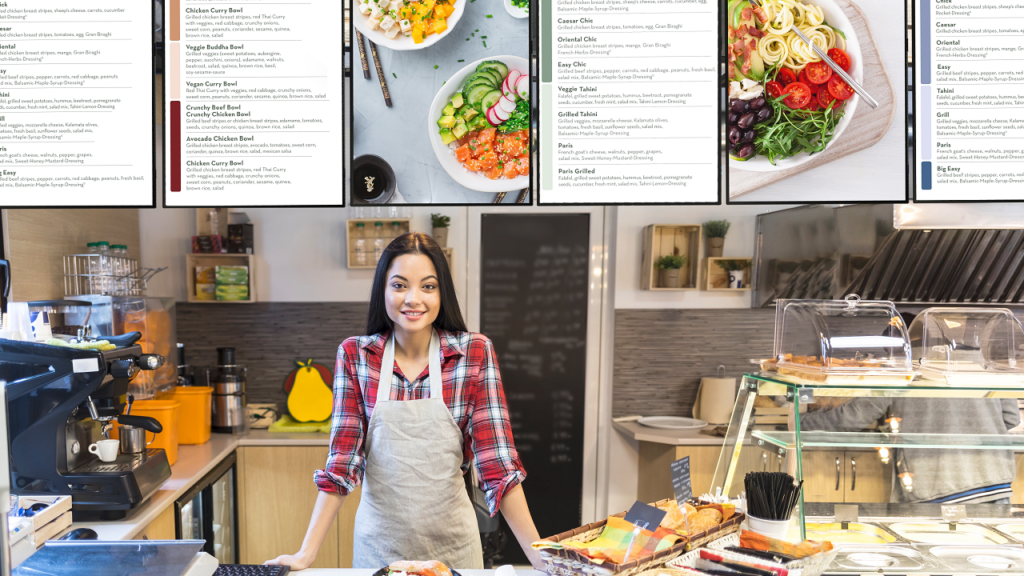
<point>207,244</point>
<point>232,293</point>
<point>240,239</point>
<point>232,275</point>
<point>206,274</point>
<point>206,291</point>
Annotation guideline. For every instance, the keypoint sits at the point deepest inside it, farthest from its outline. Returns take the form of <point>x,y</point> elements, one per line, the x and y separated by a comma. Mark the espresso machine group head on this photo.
<point>59,401</point>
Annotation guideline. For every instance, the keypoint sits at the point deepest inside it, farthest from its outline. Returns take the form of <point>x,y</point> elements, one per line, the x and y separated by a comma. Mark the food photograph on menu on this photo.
<point>441,102</point>
<point>813,100</point>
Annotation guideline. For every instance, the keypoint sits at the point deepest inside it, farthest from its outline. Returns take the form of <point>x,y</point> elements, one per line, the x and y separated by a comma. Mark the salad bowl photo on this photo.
<point>489,97</point>
<point>848,41</point>
<point>425,20</point>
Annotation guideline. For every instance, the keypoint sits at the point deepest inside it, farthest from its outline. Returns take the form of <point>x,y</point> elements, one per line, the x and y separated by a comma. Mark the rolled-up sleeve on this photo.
<point>497,461</point>
<point>346,460</point>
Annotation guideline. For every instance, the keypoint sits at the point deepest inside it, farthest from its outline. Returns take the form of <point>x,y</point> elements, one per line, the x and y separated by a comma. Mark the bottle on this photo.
<point>378,243</point>
<point>396,229</point>
<point>94,268</point>
<point>105,271</point>
<point>359,236</point>
<point>119,268</point>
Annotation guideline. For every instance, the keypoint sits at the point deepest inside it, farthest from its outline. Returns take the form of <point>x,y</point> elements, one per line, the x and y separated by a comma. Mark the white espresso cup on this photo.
<point>105,449</point>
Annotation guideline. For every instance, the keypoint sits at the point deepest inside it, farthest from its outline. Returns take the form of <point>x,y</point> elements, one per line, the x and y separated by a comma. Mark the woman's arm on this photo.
<point>324,513</point>
<point>517,514</point>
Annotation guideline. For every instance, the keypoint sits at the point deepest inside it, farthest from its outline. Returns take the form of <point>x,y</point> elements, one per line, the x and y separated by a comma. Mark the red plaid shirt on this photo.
<point>472,392</point>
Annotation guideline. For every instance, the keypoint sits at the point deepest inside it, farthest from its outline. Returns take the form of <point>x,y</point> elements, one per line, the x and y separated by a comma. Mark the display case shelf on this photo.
<point>818,439</point>
<point>772,384</point>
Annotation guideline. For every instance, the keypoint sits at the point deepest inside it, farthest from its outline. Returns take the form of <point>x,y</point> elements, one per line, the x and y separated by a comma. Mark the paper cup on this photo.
<point>771,528</point>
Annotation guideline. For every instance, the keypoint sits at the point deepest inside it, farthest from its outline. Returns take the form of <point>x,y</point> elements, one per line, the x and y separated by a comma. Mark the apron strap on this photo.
<point>387,368</point>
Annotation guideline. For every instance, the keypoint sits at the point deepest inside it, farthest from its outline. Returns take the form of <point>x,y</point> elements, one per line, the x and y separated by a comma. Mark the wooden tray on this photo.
<point>867,127</point>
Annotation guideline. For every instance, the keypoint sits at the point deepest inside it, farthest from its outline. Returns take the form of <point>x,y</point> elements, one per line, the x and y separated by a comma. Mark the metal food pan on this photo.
<point>894,558</point>
<point>942,533</point>
<point>980,559</point>
<point>1013,530</point>
<point>854,533</point>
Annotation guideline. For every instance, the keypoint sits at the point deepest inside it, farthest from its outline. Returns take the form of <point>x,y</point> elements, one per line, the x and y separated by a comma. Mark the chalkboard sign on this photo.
<point>681,480</point>
<point>534,274</point>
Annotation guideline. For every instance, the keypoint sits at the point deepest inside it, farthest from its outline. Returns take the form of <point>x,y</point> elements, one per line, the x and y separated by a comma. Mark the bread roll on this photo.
<point>674,519</point>
<point>712,513</point>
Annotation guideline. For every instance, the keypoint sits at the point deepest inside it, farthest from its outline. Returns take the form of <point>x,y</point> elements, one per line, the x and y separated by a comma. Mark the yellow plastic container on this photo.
<point>165,412</point>
<point>194,414</point>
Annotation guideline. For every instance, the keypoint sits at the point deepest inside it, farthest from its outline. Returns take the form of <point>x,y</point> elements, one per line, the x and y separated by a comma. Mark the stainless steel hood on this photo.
<point>915,255</point>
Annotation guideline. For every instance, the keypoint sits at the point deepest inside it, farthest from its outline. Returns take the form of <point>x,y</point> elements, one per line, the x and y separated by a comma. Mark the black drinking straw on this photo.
<point>771,495</point>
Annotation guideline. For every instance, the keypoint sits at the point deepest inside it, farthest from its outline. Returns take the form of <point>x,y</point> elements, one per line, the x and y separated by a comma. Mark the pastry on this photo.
<point>427,568</point>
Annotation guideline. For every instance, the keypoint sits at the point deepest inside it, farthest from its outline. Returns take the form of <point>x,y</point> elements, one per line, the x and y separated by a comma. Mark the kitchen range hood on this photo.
<point>917,255</point>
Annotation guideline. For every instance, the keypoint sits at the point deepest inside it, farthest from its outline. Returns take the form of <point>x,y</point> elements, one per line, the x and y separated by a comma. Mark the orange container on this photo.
<point>165,412</point>
<point>194,414</point>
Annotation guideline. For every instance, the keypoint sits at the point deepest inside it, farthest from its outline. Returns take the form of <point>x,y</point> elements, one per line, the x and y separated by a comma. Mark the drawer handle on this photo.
<point>853,467</point>
<point>764,461</point>
<point>837,473</point>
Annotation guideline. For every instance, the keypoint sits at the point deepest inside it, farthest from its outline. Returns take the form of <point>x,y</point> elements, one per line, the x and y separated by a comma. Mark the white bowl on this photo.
<point>836,18</point>
<point>403,42</point>
<point>445,155</point>
<point>515,12</point>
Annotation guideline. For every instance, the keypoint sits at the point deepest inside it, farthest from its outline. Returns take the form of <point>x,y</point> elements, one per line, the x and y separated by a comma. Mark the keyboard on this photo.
<point>250,570</point>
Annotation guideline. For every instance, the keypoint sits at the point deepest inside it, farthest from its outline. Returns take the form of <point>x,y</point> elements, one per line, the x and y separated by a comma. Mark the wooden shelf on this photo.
<point>199,259</point>
<point>350,244</point>
<point>668,240</point>
<point>717,279</point>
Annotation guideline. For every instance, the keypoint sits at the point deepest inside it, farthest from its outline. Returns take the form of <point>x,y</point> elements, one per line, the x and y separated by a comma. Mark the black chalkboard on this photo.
<point>681,485</point>
<point>534,274</point>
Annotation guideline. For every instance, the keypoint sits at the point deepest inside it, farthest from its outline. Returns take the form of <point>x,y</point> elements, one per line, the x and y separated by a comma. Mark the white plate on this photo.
<point>515,12</point>
<point>403,42</point>
<point>836,18</point>
<point>472,180</point>
<point>672,423</point>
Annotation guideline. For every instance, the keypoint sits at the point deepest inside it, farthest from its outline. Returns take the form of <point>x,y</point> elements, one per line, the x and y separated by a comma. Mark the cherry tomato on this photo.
<point>839,89</point>
<point>825,98</point>
<point>839,57</point>
<point>817,72</point>
<point>797,95</point>
<point>774,89</point>
<point>786,76</point>
<point>812,105</point>
<point>803,78</point>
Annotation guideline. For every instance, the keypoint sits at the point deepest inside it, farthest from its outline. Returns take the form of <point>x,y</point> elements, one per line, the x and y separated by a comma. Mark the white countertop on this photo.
<point>193,463</point>
<point>643,433</point>
<point>360,572</point>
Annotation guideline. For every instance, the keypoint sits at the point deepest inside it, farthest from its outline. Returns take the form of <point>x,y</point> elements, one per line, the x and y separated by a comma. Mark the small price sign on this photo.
<point>645,516</point>
<point>681,480</point>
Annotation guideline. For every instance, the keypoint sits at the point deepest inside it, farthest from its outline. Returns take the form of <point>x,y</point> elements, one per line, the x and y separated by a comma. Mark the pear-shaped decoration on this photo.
<point>310,398</point>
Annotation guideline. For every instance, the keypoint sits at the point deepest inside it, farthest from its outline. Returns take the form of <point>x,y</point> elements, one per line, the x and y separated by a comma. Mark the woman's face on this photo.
<point>412,296</point>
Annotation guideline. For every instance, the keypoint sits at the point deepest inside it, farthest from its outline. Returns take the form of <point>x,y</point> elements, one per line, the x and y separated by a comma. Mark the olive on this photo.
<point>738,106</point>
<point>764,114</point>
<point>733,117</point>
<point>745,151</point>
<point>746,121</point>
<point>757,103</point>
<point>734,135</point>
<point>749,136</point>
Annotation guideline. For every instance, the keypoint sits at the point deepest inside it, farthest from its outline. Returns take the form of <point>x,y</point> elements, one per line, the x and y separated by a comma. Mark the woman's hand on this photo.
<point>534,557</point>
<point>294,561</point>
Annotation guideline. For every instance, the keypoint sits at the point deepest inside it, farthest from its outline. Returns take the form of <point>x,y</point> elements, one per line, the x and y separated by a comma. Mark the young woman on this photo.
<point>416,401</point>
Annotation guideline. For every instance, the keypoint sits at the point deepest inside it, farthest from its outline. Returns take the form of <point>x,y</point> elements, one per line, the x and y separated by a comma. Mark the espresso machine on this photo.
<point>60,400</point>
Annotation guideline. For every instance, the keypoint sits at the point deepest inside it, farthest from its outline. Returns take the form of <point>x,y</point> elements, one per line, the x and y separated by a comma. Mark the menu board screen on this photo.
<point>77,103</point>
<point>629,102</point>
<point>254,103</point>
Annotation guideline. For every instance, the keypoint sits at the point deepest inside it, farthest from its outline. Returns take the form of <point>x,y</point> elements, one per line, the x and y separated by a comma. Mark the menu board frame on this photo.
<point>721,89</point>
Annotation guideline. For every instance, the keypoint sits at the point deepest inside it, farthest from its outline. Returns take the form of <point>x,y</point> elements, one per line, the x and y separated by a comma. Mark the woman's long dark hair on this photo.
<point>448,318</point>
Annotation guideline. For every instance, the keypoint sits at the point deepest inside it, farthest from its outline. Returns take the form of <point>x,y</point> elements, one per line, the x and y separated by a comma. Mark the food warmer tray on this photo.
<point>942,533</point>
<point>892,558</point>
<point>859,533</point>
<point>979,559</point>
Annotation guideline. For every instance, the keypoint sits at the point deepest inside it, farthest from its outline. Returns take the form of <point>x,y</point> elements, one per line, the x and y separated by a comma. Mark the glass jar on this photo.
<point>105,271</point>
<point>379,242</point>
<point>359,238</point>
<point>396,229</point>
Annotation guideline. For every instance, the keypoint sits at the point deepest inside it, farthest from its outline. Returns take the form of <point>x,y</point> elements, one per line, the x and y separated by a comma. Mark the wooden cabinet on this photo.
<point>161,528</point>
<point>854,476</point>
<point>654,480</point>
<point>276,498</point>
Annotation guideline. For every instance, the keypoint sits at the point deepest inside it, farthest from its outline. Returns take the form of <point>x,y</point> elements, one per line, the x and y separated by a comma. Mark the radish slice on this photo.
<point>513,75</point>
<point>491,117</point>
<point>506,104</point>
<point>508,89</point>
<point>500,114</point>
<point>523,87</point>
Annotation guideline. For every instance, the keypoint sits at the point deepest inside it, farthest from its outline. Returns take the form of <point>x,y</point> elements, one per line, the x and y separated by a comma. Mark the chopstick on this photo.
<point>380,73</point>
<point>759,12</point>
<point>362,55</point>
<point>522,196</point>
<point>499,198</point>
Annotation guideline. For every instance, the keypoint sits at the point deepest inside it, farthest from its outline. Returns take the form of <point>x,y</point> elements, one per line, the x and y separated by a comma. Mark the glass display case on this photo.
<point>846,341</point>
<point>968,346</point>
<point>880,480</point>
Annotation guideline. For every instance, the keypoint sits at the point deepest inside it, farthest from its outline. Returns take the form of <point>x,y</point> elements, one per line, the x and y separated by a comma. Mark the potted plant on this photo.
<point>669,267</point>
<point>736,270</point>
<point>439,229</point>
<point>716,230</point>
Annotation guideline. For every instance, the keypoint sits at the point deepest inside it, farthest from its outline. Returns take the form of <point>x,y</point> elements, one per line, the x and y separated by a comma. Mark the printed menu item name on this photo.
<point>629,99</point>
<point>970,131</point>
<point>77,103</point>
<point>254,95</point>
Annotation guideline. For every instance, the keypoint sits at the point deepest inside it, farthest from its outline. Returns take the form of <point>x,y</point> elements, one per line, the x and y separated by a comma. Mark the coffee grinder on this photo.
<point>228,382</point>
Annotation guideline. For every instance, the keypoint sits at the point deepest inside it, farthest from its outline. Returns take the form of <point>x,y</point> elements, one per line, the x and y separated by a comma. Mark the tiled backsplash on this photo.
<point>661,355</point>
<point>268,338</point>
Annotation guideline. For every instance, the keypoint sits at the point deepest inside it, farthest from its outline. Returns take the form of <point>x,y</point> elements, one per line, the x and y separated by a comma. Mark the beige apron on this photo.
<point>414,504</point>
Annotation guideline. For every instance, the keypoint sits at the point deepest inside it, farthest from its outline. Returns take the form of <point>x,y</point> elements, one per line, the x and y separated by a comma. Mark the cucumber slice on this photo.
<point>478,76</point>
<point>476,93</point>
<point>447,137</point>
<point>479,82</point>
<point>498,78</point>
<point>495,65</point>
<point>459,131</point>
<point>490,99</point>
